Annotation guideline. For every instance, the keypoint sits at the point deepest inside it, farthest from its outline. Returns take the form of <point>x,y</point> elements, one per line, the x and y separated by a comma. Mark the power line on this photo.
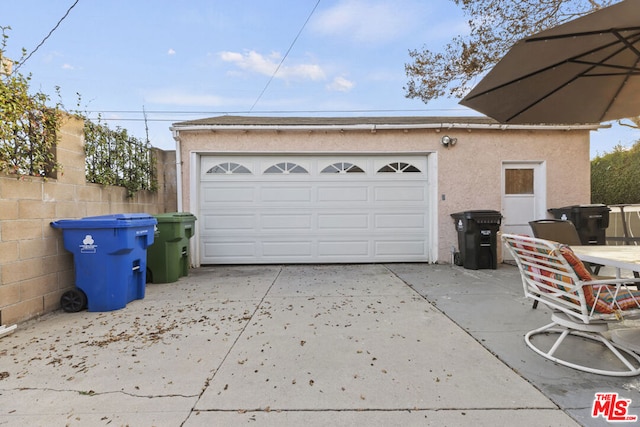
<point>274,111</point>
<point>285,56</point>
<point>46,37</point>
<point>209,113</point>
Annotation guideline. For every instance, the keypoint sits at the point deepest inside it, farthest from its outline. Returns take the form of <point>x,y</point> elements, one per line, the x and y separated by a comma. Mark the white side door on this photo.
<point>523,196</point>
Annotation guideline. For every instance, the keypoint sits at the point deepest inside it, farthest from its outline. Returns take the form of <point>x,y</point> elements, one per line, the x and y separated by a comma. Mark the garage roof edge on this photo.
<point>362,123</point>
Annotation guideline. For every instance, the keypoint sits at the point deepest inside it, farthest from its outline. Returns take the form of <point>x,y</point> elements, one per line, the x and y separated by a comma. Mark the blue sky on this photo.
<point>182,60</point>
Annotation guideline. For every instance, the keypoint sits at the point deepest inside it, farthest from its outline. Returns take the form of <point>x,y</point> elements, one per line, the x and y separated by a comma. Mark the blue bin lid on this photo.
<point>125,220</point>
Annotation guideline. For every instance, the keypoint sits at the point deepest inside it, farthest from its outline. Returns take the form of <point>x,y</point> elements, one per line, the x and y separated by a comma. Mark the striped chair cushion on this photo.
<point>595,296</point>
<point>599,296</point>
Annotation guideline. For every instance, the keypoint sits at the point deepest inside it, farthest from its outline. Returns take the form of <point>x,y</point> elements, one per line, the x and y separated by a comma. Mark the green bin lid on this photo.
<point>175,217</point>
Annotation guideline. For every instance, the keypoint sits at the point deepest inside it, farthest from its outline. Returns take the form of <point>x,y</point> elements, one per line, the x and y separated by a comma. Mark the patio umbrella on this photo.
<point>584,71</point>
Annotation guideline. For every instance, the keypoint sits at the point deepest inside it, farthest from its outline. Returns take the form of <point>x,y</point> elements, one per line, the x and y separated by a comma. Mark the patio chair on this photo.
<point>581,306</point>
<point>561,231</point>
<point>557,230</point>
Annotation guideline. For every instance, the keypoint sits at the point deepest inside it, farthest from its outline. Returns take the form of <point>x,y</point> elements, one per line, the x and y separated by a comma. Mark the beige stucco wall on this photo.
<point>469,174</point>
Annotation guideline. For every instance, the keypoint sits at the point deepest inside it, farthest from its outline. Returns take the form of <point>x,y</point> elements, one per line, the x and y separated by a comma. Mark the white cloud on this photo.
<point>371,21</point>
<point>171,52</point>
<point>253,61</point>
<point>68,67</point>
<point>177,97</point>
<point>51,56</point>
<point>340,84</point>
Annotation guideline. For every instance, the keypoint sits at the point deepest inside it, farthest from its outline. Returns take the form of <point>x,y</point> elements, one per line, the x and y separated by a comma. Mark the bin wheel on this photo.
<point>457,259</point>
<point>73,301</point>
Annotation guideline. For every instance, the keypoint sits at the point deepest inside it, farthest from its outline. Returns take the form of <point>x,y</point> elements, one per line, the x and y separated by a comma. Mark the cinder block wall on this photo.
<point>35,269</point>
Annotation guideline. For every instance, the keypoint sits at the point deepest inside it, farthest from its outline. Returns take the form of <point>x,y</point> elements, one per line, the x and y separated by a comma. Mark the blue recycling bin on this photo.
<point>110,257</point>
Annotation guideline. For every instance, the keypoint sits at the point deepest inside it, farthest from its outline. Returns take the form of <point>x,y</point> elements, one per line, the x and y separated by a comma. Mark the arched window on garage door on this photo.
<point>398,167</point>
<point>342,167</point>
<point>285,168</point>
<point>228,168</point>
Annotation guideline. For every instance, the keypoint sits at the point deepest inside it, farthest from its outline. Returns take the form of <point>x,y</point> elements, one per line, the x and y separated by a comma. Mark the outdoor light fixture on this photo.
<point>447,141</point>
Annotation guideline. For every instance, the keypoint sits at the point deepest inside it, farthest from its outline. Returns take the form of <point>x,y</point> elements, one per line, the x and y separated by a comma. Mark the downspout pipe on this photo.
<point>176,137</point>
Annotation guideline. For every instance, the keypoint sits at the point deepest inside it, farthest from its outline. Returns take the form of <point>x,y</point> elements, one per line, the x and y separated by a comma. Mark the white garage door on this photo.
<point>313,209</point>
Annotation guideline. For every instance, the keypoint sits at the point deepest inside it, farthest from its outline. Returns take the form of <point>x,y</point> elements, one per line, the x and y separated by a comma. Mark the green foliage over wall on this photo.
<point>28,128</point>
<point>615,176</point>
<point>28,136</point>
<point>115,158</point>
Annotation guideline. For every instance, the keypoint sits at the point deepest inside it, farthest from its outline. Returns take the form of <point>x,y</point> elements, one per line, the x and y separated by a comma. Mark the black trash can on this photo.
<point>591,221</point>
<point>477,238</point>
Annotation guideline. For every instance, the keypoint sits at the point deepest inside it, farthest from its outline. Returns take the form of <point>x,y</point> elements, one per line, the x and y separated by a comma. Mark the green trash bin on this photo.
<point>168,257</point>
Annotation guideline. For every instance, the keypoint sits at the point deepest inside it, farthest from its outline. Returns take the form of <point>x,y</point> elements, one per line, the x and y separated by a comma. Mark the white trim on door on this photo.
<point>519,209</point>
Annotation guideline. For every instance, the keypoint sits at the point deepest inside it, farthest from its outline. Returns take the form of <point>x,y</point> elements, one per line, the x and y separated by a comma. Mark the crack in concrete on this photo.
<point>224,359</point>
<point>98,393</point>
<point>409,410</point>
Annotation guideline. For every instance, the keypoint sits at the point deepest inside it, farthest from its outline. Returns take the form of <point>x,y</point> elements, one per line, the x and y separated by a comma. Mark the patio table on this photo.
<point>625,257</point>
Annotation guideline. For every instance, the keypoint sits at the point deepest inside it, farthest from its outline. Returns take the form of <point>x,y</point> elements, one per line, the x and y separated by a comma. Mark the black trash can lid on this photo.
<point>578,207</point>
<point>475,214</point>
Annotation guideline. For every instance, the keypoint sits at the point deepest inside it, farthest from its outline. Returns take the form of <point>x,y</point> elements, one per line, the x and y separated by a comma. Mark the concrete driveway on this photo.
<point>378,345</point>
